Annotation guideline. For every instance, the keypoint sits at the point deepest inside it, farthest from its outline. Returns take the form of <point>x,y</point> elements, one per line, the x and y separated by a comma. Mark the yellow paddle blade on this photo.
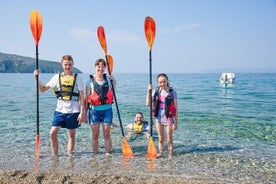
<point>110,63</point>
<point>36,25</point>
<point>152,153</point>
<point>37,145</point>
<point>102,39</point>
<point>150,30</point>
<point>127,152</point>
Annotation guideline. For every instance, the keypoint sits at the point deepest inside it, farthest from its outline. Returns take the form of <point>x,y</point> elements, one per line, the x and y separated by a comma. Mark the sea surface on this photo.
<point>225,134</point>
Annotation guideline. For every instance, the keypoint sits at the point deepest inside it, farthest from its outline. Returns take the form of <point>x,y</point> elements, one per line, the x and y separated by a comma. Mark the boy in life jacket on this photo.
<point>70,109</point>
<point>164,107</point>
<point>139,125</point>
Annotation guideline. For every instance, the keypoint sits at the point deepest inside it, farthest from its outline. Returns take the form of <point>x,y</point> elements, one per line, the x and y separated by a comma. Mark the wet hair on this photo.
<point>100,60</point>
<point>163,75</point>
<point>67,57</point>
<point>139,113</point>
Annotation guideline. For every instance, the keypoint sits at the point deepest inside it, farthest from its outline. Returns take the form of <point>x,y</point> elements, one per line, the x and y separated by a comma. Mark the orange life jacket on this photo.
<point>102,94</point>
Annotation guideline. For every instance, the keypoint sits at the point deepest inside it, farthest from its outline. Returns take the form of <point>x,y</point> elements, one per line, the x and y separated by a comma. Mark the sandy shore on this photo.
<point>18,176</point>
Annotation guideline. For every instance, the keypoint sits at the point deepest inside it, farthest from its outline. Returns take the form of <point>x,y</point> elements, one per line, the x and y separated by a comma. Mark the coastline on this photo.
<point>23,176</point>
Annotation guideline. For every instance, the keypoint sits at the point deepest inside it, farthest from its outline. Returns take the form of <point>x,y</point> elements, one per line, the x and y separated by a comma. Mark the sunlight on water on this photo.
<point>226,133</point>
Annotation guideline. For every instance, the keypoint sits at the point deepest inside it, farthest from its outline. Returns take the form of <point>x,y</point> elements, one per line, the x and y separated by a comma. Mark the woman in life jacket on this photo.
<point>165,110</point>
<point>99,97</point>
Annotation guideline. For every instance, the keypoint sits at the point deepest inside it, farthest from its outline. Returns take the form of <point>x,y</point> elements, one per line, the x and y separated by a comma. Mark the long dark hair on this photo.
<point>163,75</point>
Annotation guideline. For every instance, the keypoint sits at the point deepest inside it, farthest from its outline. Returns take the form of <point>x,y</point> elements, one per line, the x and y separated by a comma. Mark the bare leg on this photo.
<point>107,138</point>
<point>160,131</point>
<point>54,140</point>
<point>95,137</point>
<point>71,140</point>
<point>169,139</point>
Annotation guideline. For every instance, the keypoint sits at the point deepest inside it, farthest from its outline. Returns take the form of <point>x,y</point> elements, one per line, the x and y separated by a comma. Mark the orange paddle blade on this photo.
<point>36,25</point>
<point>110,63</point>
<point>102,39</point>
<point>127,152</point>
<point>37,145</point>
<point>150,30</point>
<point>152,153</point>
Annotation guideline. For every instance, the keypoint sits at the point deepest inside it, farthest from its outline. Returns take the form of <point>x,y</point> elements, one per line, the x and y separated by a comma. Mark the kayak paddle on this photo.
<point>36,28</point>
<point>127,152</point>
<point>149,27</point>
<point>110,63</point>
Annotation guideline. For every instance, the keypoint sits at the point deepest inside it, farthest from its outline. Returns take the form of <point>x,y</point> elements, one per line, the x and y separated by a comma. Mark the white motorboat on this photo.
<point>227,78</point>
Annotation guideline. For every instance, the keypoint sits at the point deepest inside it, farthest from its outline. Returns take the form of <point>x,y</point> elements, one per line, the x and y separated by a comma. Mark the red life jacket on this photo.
<point>102,94</point>
<point>170,109</point>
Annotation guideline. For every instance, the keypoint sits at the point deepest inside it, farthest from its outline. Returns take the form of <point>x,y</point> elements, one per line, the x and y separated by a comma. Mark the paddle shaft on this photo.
<point>150,81</point>
<point>115,99</point>
<point>37,93</point>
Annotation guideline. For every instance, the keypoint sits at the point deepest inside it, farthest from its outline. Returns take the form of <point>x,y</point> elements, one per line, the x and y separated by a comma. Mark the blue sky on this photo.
<point>191,35</point>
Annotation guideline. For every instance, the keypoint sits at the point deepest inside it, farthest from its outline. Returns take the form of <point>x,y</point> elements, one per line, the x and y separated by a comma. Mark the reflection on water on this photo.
<point>193,162</point>
<point>94,162</point>
<point>36,164</point>
<point>70,163</point>
<point>54,163</point>
<point>224,133</point>
<point>151,164</point>
<point>225,85</point>
<point>126,163</point>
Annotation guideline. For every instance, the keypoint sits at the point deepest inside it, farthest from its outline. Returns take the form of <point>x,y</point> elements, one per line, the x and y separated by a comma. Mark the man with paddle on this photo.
<point>70,109</point>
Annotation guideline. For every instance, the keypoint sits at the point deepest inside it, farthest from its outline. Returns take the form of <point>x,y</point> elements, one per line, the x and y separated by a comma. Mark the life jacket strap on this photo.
<point>60,94</point>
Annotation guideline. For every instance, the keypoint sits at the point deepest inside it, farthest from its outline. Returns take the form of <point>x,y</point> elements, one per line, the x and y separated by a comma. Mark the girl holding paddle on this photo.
<point>164,105</point>
<point>99,96</point>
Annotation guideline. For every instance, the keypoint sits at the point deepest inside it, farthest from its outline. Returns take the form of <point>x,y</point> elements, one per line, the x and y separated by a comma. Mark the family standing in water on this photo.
<point>95,107</point>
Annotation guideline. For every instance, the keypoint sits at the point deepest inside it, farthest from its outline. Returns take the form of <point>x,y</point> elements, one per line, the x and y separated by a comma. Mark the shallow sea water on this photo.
<point>225,134</point>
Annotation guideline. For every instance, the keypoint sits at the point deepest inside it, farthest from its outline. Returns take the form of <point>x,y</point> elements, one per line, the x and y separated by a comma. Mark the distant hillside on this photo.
<point>12,63</point>
<point>242,70</point>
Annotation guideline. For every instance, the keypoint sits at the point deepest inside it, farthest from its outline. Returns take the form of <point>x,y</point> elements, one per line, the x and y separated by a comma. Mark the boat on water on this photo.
<point>227,78</point>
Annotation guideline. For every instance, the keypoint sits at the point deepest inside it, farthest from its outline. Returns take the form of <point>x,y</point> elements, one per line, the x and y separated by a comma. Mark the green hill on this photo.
<point>12,63</point>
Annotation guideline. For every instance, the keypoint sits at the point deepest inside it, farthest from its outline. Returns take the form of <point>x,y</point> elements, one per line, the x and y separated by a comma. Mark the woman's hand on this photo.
<point>113,80</point>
